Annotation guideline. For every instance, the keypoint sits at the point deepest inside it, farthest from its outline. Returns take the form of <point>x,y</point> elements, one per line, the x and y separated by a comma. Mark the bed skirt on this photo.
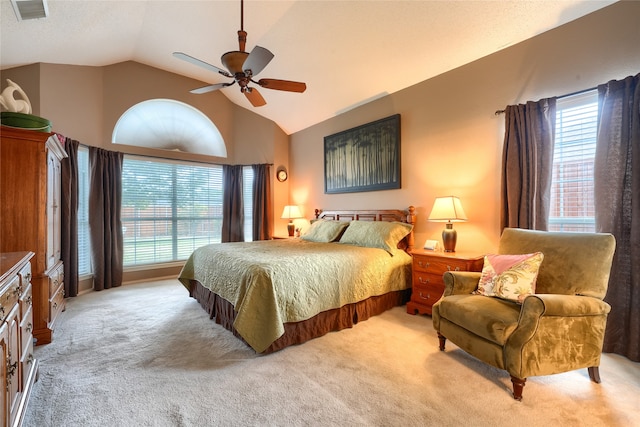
<point>223,313</point>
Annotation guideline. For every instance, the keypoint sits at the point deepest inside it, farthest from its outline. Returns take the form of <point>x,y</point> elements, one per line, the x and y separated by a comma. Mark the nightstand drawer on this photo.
<point>426,279</point>
<point>438,266</point>
<point>426,295</point>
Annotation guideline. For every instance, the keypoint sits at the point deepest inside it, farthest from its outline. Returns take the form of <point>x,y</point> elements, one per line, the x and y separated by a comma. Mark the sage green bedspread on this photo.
<point>274,282</point>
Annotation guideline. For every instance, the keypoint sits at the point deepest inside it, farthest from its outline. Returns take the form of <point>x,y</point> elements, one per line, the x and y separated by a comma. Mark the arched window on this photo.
<point>169,125</point>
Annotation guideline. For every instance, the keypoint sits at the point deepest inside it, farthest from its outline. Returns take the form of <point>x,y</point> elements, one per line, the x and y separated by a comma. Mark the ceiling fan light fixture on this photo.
<point>233,61</point>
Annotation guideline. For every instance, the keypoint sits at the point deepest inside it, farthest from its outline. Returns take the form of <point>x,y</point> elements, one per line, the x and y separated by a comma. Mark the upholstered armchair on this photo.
<point>557,329</point>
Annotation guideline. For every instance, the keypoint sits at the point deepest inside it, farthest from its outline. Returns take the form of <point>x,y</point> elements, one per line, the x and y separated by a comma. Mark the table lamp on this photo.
<point>448,209</point>
<point>291,212</point>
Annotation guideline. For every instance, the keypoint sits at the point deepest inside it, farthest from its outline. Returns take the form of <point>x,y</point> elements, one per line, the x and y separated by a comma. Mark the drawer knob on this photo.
<point>455,269</point>
<point>28,277</point>
<point>424,281</point>
<point>55,305</point>
<point>29,300</point>
<point>29,327</point>
<point>30,359</point>
<point>423,264</point>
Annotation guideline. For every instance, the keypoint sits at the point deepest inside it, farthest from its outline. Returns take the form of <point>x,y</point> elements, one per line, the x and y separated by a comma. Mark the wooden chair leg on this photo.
<point>594,374</point>
<point>518,385</point>
<point>443,340</point>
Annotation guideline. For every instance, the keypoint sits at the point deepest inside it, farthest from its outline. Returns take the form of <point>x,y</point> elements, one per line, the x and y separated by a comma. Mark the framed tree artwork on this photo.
<point>365,158</point>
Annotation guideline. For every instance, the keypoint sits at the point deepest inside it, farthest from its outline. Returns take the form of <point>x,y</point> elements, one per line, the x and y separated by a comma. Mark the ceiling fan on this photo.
<point>243,67</point>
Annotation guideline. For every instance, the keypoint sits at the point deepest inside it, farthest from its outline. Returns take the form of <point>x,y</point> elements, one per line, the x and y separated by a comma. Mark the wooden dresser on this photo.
<point>30,216</point>
<point>18,367</point>
<point>427,270</point>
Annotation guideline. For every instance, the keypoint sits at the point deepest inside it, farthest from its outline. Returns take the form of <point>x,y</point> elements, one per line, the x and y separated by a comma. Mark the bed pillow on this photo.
<point>376,234</point>
<point>510,277</point>
<point>324,231</point>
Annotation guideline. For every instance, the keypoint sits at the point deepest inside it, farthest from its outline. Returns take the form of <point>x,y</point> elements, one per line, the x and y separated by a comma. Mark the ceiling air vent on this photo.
<point>30,9</point>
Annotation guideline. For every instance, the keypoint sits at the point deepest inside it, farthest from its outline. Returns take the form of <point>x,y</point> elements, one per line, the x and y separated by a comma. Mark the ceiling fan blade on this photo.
<point>210,88</point>
<point>287,85</point>
<point>199,63</point>
<point>254,97</point>
<point>257,60</point>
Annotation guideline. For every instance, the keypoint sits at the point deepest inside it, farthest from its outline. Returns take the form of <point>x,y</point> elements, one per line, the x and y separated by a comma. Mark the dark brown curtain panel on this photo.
<point>232,204</point>
<point>69,217</point>
<point>262,206</point>
<point>617,189</point>
<point>527,162</point>
<point>105,224</point>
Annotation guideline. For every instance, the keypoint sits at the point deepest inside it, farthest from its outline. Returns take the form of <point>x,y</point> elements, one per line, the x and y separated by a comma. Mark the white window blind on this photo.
<point>169,209</point>
<point>247,197</point>
<point>572,190</point>
<point>84,254</point>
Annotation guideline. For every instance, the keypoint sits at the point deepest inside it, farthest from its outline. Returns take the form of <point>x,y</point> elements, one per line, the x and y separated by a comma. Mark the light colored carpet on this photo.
<point>148,355</point>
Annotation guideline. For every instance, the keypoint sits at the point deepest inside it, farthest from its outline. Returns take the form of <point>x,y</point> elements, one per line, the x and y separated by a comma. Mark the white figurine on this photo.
<point>9,103</point>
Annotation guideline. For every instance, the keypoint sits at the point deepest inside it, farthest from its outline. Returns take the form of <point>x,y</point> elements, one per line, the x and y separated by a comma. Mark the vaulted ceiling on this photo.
<point>347,52</point>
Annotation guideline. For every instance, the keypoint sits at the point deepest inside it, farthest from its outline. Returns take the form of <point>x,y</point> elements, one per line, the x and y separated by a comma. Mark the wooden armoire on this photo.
<point>30,217</point>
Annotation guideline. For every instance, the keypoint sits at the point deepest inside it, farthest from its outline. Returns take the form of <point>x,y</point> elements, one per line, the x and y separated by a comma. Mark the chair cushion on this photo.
<point>490,318</point>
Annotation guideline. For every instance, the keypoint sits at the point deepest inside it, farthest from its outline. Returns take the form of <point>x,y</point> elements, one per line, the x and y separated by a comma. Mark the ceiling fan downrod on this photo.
<point>242,34</point>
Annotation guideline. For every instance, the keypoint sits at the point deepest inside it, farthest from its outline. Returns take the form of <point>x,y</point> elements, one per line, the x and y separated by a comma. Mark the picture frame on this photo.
<point>364,158</point>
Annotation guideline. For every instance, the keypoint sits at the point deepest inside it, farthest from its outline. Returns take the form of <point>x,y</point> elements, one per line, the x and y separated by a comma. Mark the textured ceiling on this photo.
<point>348,52</point>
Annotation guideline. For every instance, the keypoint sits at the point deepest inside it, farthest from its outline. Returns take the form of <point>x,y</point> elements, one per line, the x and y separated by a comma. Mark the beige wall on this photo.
<point>451,139</point>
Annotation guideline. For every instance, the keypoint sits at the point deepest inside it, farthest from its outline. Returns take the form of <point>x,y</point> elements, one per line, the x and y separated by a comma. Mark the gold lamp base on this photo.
<point>449,238</point>
<point>291,228</point>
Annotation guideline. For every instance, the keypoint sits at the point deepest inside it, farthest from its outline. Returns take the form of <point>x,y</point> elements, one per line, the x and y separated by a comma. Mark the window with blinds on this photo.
<point>171,208</point>
<point>572,190</point>
<point>168,209</point>
<point>84,254</point>
<point>247,191</point>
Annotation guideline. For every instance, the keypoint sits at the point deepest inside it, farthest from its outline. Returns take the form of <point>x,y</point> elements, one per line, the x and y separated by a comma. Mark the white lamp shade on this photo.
<point>290,212</point>
<point>447,209</point>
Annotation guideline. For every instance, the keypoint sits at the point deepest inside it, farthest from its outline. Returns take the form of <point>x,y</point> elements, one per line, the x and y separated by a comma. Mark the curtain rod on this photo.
<point>498,112</point>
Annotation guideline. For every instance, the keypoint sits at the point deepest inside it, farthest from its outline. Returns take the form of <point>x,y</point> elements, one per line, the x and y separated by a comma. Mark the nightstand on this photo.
<point>427,270</point>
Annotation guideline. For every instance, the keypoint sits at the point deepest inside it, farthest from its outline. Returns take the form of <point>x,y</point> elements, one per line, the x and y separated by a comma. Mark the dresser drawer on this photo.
<point>56,305</point>
<point>9,296</point>
<point>25,275</point>
<point>26,299</point>
<point>56,277</point>
<point>27,360</point>
<point>26,330</point>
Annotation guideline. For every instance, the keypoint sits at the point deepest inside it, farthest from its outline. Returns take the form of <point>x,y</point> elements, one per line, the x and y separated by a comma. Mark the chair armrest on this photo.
<point>460,282</point>
<point>553,318</point>
<point>571,305</point>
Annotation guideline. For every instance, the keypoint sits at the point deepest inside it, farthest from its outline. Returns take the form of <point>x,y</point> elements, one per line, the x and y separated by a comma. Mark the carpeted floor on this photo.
<point>148,355</point>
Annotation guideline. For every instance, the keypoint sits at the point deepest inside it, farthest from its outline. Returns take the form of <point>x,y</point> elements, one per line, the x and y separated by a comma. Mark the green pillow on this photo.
<point>376,234</point>
<point>324,231</point>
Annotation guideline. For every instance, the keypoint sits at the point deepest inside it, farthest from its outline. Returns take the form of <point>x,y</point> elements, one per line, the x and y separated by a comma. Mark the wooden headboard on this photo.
<point>408,216</point>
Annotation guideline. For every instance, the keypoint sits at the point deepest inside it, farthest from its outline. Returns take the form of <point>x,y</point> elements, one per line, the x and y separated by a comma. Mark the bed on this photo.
<point>271,294</point>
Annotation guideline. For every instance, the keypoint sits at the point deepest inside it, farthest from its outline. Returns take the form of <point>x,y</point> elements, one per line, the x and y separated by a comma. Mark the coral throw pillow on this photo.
<point>511,277</point>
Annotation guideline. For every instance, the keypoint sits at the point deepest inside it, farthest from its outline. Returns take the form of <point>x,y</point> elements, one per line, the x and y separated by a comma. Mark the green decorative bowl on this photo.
<point>25,121</point>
